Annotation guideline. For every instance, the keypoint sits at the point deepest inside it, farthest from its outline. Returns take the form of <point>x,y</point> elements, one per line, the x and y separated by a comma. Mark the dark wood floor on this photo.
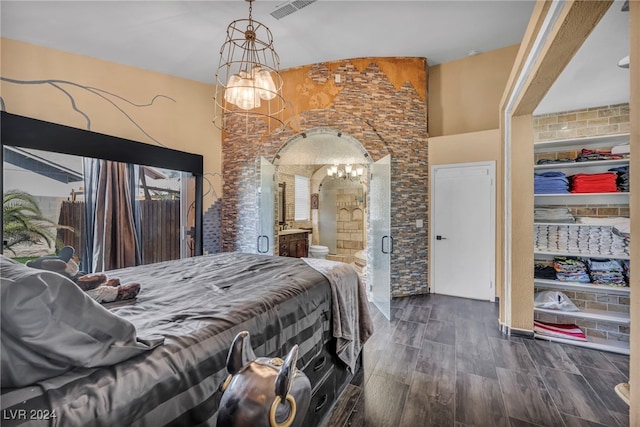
<point>442,361</point>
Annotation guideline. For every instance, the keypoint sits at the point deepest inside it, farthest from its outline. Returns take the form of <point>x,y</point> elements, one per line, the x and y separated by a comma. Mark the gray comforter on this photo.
<point>197,305</point>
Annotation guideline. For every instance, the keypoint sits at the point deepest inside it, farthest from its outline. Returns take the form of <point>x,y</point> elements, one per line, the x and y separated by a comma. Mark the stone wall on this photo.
<point>381,102</point>
<point>606,120</point>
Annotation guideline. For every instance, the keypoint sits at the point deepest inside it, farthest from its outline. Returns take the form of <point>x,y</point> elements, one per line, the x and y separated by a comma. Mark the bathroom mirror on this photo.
<point>282,206</point>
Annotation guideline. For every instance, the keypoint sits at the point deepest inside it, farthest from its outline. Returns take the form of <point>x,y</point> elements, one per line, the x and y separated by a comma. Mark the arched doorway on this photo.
<point>313,154</point>
<point>338,168</point>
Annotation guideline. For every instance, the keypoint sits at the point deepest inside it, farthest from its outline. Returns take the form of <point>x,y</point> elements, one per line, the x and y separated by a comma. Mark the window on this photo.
<point>55,182</point>
<point>302,198</point>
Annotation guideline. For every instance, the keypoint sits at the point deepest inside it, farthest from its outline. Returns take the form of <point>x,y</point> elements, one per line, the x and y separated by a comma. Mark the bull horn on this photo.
<point>287,371</point>
<point>282,386</point>
<point>240,353</point>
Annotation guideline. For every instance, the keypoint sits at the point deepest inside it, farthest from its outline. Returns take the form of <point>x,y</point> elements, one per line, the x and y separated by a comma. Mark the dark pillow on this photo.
<point>49,326</point>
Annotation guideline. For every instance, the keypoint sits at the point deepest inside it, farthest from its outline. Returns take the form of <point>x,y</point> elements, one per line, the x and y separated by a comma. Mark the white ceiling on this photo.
<point>593,78</point>
<point>183,38</point>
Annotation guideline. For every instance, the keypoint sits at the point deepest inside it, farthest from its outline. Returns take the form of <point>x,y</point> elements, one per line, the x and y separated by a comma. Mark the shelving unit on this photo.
<point>575,286</point>
<point>593,315</point>
<point>592,164</point>
<point>597,343</point>
<point>582,198</point>
<point>599,141</point>
<point>551,254</point>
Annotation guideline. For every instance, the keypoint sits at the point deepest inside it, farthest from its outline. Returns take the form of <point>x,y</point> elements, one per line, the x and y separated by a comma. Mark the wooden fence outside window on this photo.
<point>160,220</point>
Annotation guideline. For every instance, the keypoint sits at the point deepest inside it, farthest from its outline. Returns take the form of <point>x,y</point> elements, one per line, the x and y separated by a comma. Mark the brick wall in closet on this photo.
<point>605,120</point>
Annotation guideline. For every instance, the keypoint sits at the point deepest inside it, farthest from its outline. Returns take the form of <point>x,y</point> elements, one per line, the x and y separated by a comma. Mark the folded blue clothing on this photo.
<point>550,179</point>
<point>550,183</point>
<point>550,189</point>
<point>551,174</point>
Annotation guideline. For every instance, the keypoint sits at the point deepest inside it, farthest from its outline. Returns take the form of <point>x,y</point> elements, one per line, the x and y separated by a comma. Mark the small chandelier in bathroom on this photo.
<point>345,172</point>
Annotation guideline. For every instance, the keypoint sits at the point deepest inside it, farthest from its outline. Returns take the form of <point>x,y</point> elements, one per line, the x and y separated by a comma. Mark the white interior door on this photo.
<point>380,239</point>
<point>463,233</point>
<point>265,239</point>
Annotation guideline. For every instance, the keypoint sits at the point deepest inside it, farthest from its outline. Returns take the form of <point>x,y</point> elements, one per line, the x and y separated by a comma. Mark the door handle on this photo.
<point>258,243</point>
<point>390,247</point>
<point>439,237</point>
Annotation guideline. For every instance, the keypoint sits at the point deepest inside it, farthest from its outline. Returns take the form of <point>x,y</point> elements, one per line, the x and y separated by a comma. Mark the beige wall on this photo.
<point>464,95</point>
<point>473,147</point>
<point>113,99</point>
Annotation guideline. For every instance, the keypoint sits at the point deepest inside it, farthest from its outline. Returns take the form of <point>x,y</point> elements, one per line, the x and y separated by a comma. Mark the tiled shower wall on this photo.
<point>350,222</point>
<point>606,120</point>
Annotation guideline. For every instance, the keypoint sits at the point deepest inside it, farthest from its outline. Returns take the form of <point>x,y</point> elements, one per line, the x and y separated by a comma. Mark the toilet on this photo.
<point>317,251</point>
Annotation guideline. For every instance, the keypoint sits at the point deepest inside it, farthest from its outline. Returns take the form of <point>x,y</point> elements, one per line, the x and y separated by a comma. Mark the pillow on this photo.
<point>49,326</point>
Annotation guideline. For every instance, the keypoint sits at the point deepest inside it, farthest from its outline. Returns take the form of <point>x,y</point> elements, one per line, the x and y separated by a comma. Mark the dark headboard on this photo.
<point>25,132</point>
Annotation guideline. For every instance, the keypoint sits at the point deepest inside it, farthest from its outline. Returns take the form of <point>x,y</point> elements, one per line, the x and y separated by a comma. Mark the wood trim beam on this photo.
<point>522,262</point>
<point>575,23</point>
<point>538,16</point>
<point>565,27</point>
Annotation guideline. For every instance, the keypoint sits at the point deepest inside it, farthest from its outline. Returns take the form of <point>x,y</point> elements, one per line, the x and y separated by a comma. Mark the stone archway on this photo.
<point>322,148</point>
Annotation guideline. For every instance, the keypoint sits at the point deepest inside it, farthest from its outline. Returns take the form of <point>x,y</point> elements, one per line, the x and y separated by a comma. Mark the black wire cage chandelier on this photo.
<point>248,80</point>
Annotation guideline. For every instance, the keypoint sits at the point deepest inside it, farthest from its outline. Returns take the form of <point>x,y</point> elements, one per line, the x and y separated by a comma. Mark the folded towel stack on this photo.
<point>553,215</point>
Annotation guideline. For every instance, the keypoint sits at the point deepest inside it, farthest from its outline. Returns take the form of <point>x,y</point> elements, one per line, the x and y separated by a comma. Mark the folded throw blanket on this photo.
<point>352,325</point>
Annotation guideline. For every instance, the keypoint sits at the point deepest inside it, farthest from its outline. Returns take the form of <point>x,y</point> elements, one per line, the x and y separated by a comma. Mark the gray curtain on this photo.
<point>112,237</point>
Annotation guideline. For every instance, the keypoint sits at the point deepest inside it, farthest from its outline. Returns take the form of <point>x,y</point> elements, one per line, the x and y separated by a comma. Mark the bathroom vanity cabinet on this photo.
<point>294,243</point>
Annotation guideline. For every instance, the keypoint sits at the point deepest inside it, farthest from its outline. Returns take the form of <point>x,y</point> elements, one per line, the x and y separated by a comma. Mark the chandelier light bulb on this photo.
<point>264,83</point>
<point>348,171</point>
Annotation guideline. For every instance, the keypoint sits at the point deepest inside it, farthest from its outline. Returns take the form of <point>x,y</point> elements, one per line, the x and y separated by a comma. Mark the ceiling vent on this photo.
<point>285,9</point>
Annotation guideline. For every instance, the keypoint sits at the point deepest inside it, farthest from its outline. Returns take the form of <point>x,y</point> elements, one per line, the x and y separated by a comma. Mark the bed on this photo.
<point>185,318</point>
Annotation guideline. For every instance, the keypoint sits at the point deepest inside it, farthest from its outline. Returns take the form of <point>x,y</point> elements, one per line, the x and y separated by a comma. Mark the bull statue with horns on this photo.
<point>262,391</point>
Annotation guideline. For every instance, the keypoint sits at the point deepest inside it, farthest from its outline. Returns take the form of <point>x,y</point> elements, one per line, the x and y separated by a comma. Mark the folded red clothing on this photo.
<point>559,330</point>
<point>594,189</point>
<point>605,176</point>
<point>594,183</point>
